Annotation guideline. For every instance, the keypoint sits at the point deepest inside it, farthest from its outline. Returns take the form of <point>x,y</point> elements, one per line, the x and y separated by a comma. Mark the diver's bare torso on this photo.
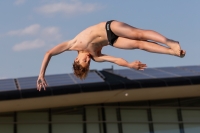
<point>91,40</point>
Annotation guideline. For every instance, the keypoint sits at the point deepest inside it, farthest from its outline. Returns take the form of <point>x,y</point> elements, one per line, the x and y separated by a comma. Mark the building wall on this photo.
<point>163,116</point>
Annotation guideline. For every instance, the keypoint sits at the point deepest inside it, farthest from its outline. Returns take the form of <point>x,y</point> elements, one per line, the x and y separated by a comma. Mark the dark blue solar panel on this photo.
<point>164,72</point>
<point>27,83</point>
<point>176,71</point>
<point>148,73</point>
<point>156,73</point>
<point>52,80</point>
<point>59,80</point>
<point>7,85</point>
<point>92,77</point>
<point>192,69</point>
<point>132,74</point>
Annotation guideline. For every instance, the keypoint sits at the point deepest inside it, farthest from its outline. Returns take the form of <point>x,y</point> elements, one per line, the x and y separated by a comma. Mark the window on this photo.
<point>191,119</point>
<point>165,121</point>
<point>92,119</point>
<point>32,122</point>
<point>134,120</point>
<point>67,120</point>
<point>111,119</point>
<point>6,123</point>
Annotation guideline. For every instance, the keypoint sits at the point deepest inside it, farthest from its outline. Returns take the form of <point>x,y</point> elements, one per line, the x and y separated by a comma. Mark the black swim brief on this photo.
<point>111,36</point>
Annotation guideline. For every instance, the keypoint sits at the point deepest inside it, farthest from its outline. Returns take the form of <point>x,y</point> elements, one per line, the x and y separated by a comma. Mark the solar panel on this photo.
<point>52,80</point>
<point>176,71</point>
<point>155,73</point>
<point>132,74</point>
<point>92,77</point>
<point>192,69</point>
<point>148,73</point>
<point>162,72</point>
<point>7,85</point>
<point>59,80</point>
<point>27,83</point>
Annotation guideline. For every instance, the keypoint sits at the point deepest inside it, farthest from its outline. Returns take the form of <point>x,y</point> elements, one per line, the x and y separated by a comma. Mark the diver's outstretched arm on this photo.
<point>41,82</point>
<point>120,61</point>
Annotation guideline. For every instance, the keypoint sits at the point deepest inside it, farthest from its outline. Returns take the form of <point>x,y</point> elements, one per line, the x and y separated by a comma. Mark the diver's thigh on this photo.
<point>124,30</point>
<point>125,43</point>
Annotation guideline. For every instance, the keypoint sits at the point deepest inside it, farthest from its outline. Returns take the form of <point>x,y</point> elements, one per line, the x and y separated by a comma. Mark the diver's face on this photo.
<point>83,59</point>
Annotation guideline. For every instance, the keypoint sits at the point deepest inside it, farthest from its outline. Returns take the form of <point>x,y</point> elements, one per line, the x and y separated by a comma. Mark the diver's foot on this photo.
<point>176,48</point>
<point>180,53</point>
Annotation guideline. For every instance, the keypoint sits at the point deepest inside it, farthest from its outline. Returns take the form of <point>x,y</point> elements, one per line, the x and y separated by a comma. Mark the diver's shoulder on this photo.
<point>101,24</point>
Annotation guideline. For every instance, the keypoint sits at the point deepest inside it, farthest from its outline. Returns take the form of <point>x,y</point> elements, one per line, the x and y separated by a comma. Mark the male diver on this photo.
<point>90,42</point>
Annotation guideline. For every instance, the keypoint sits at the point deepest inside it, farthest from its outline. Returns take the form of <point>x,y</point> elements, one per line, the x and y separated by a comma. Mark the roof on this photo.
<point>104,80</point>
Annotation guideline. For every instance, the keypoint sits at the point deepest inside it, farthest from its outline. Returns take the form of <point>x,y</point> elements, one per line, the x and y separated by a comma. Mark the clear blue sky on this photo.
<point>28,28</point>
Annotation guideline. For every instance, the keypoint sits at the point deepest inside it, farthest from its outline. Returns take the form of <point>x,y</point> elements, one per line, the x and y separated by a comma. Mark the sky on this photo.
<point>29,28</point>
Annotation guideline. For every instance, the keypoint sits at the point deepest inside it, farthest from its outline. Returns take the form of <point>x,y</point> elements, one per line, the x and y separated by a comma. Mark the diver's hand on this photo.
<point>41,83</point>
<point>137,65</point>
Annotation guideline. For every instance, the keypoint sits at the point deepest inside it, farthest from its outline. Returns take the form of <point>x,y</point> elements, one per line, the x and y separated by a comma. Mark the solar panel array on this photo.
<point>93,77</point>
<point>162,72</point>
<point>59,80</point>
<point>7,85</point>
